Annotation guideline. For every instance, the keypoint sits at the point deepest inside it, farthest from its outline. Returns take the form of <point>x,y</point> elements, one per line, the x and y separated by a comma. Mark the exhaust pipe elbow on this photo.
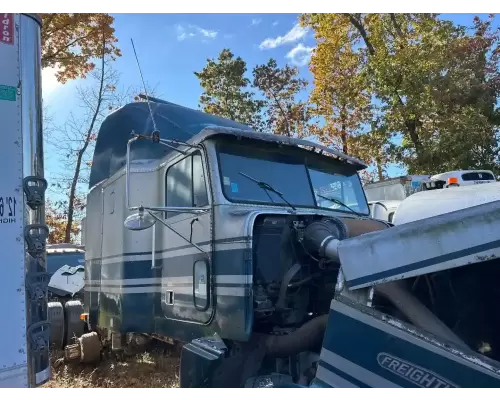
<point>322,238</point>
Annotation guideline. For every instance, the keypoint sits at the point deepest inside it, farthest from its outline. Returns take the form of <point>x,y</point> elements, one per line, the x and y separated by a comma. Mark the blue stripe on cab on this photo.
<point>423,264</point>
<point>361,344</point>
<point>342,374</point>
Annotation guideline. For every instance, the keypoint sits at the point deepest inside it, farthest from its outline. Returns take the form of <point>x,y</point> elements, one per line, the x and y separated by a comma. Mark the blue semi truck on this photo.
<point>220,238</point>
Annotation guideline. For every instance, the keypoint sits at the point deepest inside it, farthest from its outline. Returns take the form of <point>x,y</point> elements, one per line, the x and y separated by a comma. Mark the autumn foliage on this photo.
<point>56,220</point>
<point>410,89</point>
<point>417,77</point>
<point>71,41</point>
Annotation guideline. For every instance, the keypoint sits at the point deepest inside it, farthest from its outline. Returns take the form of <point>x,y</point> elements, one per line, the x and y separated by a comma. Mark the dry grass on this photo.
<point>155,369</point>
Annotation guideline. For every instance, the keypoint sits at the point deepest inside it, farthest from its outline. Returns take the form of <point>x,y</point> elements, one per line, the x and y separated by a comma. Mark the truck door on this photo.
<point>185,261</point>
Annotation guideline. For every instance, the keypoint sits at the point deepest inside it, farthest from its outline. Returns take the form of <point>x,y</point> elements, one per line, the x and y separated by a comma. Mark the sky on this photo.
<point>171,47</point>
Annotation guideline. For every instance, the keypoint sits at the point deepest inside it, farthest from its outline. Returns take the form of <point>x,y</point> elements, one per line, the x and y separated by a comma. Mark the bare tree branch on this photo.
<point>74,140</point>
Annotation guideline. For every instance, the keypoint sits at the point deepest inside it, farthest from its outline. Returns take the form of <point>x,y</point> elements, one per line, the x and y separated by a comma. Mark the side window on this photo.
<point>200,195</point>
<point>185,184</point>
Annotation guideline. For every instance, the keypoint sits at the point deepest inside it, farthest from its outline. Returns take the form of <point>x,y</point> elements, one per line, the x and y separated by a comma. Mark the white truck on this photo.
<point>24,338</point>
<point>384,197</point>
<point>427,204</point>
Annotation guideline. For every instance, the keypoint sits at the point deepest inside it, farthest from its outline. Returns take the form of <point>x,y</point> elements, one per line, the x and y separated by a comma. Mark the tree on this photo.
<point>412,64</point>
<point>225,90</point>
<point>367,176</point>
<point>374,148</point>
<point>75,140</point>
<point>469,95</point>
<point>280,86</point>
<point>71,41</point>
<point>341,97</point>
<point>340,94</point>
<point>56,219</point>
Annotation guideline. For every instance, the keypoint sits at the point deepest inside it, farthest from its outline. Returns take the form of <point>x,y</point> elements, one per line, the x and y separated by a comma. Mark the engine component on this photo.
<point>321,238</point>
<point>56,319</point>
<point>280,294</point>
<point>415,311</point>
<point>280,304</point>
<point>263,307</point>
<point>306,338</point>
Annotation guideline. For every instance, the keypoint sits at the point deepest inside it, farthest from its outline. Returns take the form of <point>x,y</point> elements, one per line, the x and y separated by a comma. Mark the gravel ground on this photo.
<point>155,369</point>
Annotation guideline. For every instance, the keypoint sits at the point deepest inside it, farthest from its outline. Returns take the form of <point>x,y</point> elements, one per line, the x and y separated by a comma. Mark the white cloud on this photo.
<point>182,34</point>
<point>256,21</point>
<point>192,30</point>
<point>275,23</point>
<point>49,81</point>
<point>293,35</point>
<point>207,33</point>
<point>300,55</point>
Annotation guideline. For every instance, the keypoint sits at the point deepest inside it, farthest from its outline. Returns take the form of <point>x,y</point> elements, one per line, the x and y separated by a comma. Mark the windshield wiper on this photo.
<point>267,187</point>
<point>333,200</point>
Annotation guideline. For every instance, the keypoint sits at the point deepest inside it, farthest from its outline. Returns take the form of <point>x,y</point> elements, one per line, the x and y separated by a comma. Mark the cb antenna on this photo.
<point>156,133</point>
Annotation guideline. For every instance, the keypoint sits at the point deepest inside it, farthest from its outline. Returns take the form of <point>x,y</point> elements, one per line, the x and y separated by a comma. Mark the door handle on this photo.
<point>169,297</point>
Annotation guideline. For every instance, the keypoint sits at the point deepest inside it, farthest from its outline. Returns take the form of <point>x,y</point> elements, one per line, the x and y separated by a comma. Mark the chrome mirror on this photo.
<point>139,221</point>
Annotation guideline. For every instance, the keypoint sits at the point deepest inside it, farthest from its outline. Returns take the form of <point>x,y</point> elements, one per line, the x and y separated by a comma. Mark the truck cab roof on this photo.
<point>180,123</point>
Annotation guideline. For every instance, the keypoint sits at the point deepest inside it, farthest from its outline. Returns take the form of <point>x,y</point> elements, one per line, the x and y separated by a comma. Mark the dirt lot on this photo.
<point>155,369</point>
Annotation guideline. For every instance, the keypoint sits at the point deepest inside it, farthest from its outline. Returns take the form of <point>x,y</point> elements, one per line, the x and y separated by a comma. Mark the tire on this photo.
<point>55,313</point>
<point>90,347</point>
<point>74,325</point>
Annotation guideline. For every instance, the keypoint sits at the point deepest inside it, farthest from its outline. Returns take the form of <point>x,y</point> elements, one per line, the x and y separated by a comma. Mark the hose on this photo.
<point>415,311</point>
<point>307,337</point>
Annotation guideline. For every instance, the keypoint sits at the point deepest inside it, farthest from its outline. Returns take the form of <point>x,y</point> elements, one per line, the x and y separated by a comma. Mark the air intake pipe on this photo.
<point>322,239</point>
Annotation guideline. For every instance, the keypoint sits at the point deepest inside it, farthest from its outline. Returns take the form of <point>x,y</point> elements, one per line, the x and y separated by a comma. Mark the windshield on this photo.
<point>304,180</point>
<point>58,260</point>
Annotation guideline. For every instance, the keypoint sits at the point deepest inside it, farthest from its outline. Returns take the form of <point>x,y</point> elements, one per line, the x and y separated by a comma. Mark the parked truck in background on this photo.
<point>384,197</point>
<point>25,333</point>
<point>66,266</point>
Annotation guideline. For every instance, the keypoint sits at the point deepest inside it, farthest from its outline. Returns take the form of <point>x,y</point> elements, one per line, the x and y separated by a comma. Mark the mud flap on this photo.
<point>56,319</point>
<point>365,348</point>
<point>199,360</point>
<point>207,362</point>
<point>74,325</point>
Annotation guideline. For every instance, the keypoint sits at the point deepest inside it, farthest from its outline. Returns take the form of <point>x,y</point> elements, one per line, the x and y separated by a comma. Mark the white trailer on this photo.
<point>24,337</point>
<point>428,204</point>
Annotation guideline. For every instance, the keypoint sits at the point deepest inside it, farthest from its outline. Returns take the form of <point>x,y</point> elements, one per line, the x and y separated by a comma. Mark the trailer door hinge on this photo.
<point>37,285</point>
<point>34,188</point>
<point>39,337</point>
<point>36,236</point>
